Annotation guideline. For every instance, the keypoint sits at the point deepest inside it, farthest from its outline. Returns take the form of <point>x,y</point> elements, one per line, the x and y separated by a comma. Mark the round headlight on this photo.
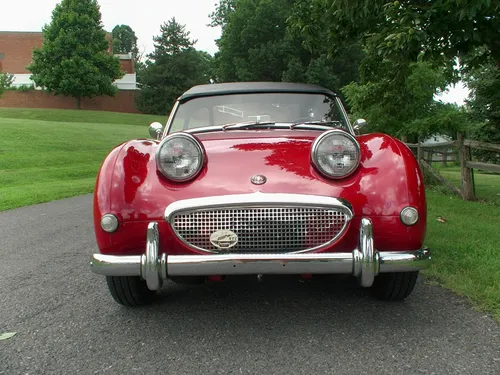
<point>179,157</point>
<point>109,223</point>
<point>409,215</point>
<point>335,154</point>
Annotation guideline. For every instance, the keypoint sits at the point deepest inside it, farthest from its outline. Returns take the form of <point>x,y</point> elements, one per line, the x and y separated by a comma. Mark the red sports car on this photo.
<point>258,179</point>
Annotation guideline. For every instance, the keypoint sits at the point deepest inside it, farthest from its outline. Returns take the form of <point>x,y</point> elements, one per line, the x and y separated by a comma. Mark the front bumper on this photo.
<point>363,262</point>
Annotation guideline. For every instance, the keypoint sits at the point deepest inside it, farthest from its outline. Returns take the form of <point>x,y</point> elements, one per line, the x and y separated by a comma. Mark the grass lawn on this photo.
<point>466,248</point>
<point>53,154</point>
<point>487,185</point>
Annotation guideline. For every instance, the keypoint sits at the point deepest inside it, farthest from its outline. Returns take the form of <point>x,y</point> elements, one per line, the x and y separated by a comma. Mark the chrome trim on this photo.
<point>346,116</point>
<point>249,264</point>
<point>404,261</point>
<point>367,260</point>
<point>258,199</point>
<point>116,265</point>
<point>150,269</point>
<point>197,144</point>
<point>170,119</point>
<point>155,130</point>
<point>314,152</point>
<point>280,126</point>
<point>364,262</point>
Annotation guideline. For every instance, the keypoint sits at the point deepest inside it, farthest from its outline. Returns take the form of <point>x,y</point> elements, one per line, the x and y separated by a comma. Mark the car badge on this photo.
<point>224,239</point>
<point>258,179</point>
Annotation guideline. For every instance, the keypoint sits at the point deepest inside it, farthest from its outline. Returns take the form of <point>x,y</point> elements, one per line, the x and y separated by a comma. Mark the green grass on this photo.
<point>53,154</point>
<point>67,115</point>
<point>487,185</point>
<point>465,249</point>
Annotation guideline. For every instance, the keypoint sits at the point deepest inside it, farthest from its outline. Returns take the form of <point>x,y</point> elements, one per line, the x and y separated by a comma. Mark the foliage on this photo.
<point>173,67</point>
<point>256,45</point>
<point>398,37</point>
<point>484,107</point>
<point>404,29</point>
<point>6,80</point>
<point>22,88</point>
<point>125,41</point>
<point>405,107</point>
<point>74,59</point>
<point>220,17</point>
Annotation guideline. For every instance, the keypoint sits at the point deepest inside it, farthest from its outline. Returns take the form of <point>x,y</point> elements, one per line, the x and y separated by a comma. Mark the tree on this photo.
<point>399,37</point>
<point>256,45</point>
<point>74,59</point>
<point>404,29</point>
<point>484,107</point>
<point>173,67</point>
<point>220,17</point>
<point>404,109</point>
<point>125,41</point>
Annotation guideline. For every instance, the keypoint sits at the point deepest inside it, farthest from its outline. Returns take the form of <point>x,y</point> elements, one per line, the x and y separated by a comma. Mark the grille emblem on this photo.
<point>224,239</point>
<point>258,179</point>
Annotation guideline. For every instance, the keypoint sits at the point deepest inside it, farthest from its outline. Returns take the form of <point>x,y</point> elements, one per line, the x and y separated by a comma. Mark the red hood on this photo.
<point>379,186</point>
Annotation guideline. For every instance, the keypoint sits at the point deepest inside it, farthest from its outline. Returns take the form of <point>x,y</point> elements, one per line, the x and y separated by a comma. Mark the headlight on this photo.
<point>180,157</point>
<point>335,154</point>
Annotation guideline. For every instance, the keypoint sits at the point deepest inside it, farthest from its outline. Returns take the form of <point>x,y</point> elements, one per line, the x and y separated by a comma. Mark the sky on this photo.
<point>145,17</point>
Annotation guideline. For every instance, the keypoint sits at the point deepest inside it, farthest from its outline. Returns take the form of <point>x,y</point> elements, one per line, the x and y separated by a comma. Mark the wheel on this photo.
<point>394,286</point>
<point>130,290</point>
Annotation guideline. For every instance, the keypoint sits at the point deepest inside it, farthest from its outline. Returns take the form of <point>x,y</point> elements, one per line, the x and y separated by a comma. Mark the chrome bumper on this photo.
<point>364,262</point>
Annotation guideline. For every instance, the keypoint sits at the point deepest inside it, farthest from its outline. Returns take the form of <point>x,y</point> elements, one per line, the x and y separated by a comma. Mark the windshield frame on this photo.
<point>210,128</point>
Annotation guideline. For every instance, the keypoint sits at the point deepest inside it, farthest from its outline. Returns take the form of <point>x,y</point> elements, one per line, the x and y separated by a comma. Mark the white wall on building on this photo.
<point>22,80</point>
<point>127,82</point>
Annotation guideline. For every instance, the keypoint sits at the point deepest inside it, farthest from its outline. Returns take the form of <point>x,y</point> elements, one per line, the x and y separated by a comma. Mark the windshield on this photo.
<point>258,107</point>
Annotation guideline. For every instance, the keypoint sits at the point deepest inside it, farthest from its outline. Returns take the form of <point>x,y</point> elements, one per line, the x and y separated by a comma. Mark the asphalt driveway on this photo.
<point>67,323</point>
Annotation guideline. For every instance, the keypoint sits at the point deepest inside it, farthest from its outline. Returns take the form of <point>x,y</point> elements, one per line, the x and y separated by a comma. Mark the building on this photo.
<point>16,53</point>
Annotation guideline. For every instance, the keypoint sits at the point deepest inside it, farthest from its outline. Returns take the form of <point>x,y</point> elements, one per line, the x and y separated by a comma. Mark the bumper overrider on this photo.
<point>364,262</point>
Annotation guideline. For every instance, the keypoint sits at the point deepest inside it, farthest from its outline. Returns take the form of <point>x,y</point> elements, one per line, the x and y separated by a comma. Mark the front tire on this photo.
<point>394,286</point>
<point>130,291</point>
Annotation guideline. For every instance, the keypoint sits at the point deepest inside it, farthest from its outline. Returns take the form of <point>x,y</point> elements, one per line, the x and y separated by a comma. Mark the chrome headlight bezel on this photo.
<point>186,137</point>
<point>325,136</point>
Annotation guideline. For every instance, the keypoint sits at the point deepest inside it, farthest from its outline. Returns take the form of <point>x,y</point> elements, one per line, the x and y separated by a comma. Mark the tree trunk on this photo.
<point>78,102</point>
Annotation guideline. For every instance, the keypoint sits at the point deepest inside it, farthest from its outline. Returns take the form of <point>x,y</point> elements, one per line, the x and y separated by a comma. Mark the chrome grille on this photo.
<point>262,230</point>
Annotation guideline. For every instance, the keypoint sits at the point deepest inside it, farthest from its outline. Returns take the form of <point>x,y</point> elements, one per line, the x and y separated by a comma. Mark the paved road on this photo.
<point>68,324</point>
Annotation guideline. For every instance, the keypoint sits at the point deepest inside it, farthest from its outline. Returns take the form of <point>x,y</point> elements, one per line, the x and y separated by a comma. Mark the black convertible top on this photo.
<point>252,87</point>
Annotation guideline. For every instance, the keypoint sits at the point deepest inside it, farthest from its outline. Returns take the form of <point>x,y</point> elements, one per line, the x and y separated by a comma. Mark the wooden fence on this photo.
<point>464,146</point>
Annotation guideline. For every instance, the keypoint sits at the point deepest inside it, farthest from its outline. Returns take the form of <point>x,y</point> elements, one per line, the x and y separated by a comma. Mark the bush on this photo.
<point>6,80</point>
<point>22,88</point>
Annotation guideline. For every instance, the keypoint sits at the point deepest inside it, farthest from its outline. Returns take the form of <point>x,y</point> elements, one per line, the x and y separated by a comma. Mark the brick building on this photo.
<point>16,53</point>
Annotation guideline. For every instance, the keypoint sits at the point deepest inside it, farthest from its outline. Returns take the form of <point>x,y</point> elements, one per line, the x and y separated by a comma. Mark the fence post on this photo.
<point>467,186</point>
